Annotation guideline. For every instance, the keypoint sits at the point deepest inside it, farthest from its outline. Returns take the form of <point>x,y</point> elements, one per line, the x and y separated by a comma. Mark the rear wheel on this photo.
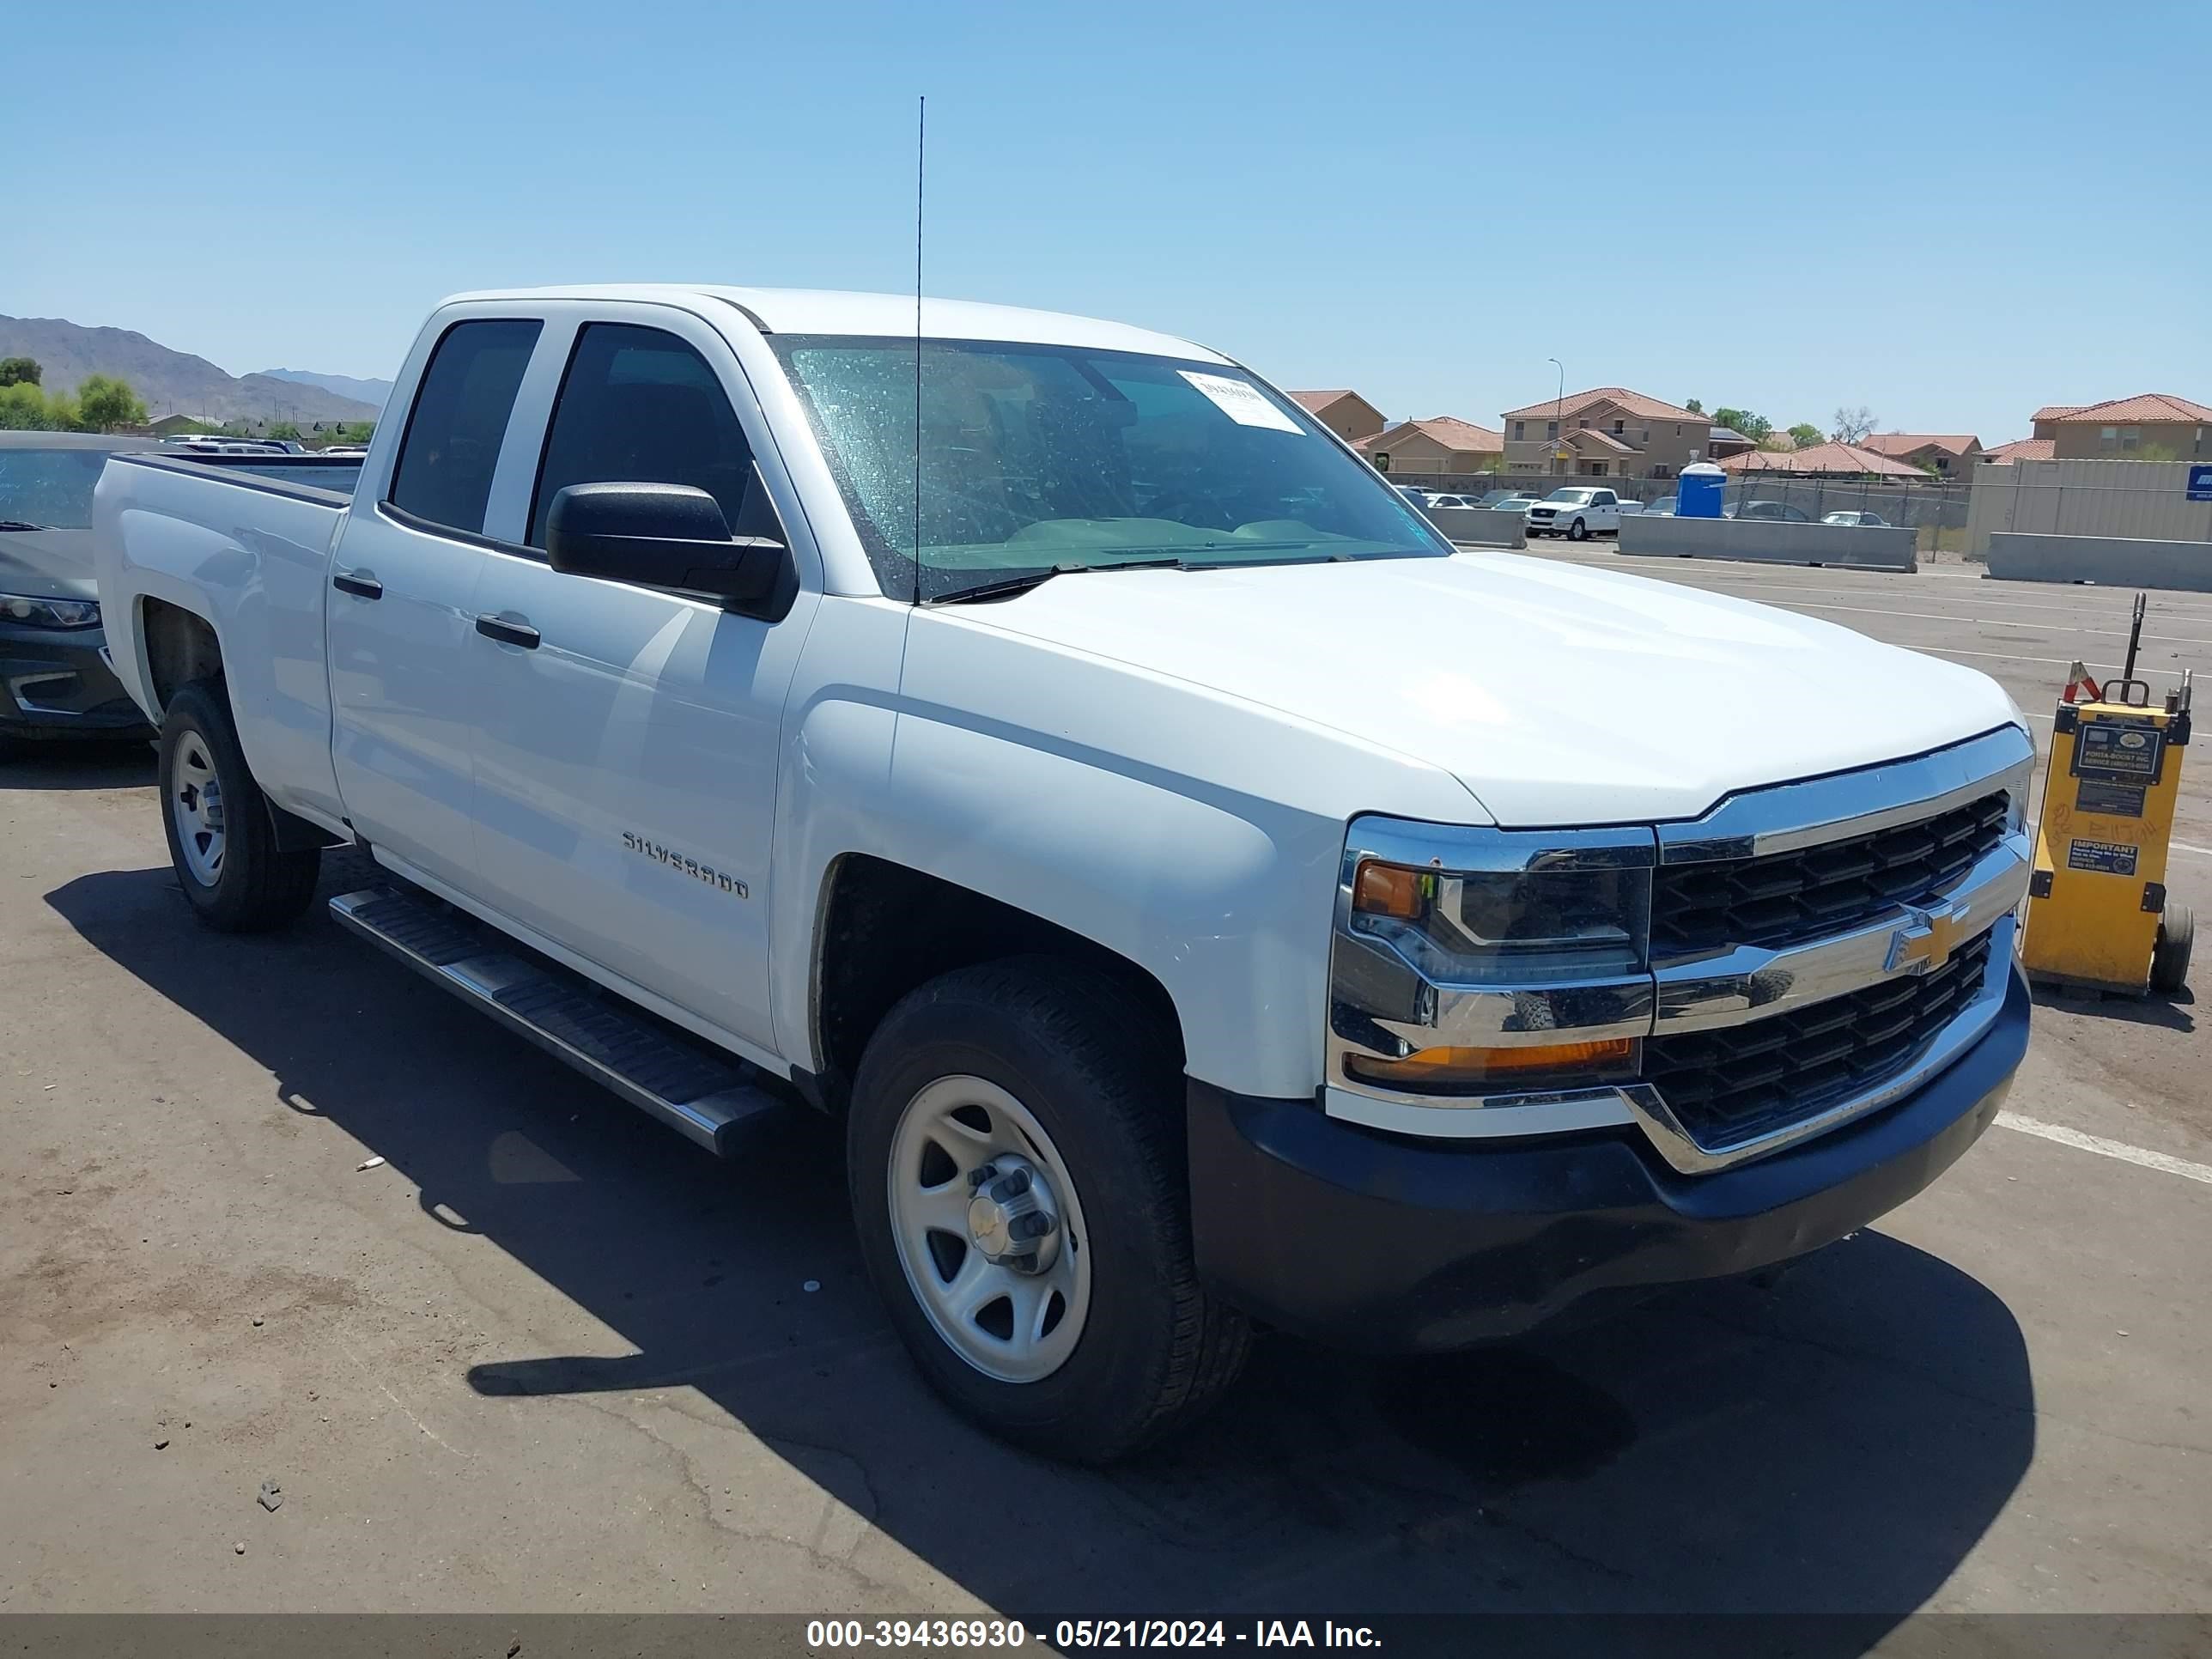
<point>2169,957</point>
<point>1016,1162</point>
<point>222,842</point>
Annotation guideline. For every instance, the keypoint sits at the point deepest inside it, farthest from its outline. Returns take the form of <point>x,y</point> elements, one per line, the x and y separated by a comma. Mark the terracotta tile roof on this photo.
<point>2022,449</point>
<point>2056,411</point>
<point>1821,458</point>
<point>1634,403</point>
<point>1452,434</point>
<point>1906,443</point>
<point>1314,402</point>
<point>1605,439</point>
<point>2149,406</point>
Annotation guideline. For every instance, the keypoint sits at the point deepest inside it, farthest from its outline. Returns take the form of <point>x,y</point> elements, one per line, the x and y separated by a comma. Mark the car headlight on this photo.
<point>48,613</point>
<point>1503,961</point>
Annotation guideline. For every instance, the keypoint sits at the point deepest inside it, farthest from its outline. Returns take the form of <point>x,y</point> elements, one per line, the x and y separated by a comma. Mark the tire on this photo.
<point>222,843</point>
<point>1088,1062</point>
<point>1577,531</point>
<point>2169,957</point>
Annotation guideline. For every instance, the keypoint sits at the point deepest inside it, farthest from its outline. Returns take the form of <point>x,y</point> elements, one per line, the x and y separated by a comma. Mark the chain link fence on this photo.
<point>1935,508</point>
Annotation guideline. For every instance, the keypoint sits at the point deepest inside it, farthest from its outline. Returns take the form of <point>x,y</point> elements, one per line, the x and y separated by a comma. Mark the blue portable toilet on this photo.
<point>1698,490</point>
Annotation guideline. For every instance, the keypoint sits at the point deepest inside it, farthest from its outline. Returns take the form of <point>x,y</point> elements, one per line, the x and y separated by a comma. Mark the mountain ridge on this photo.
<point>171,382</point>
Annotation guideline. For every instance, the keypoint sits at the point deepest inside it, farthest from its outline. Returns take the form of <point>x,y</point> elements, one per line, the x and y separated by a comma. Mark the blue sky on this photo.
<point>1952,213</point>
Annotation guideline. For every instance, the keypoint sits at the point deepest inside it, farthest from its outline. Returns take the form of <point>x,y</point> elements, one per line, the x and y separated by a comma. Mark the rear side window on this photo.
<point>460,420</point>
<point>639,406</point>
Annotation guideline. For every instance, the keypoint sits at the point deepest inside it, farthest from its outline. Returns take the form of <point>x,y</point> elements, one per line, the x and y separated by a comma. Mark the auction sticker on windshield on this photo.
<point>1240,402</point>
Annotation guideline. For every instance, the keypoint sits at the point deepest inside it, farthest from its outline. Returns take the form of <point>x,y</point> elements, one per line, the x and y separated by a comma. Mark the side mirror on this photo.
<point>670,536</point>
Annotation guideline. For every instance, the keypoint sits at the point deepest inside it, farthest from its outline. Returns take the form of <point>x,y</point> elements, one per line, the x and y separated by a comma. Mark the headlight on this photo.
<point>48,613</point>
<point>1504,961</point>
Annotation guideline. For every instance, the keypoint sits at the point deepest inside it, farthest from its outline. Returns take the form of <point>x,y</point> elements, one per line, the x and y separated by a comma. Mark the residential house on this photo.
<point>2020,449</point>
<point>1726,441</point>
<point>2153,426</point>
<point>1346,414</point>
<point>1609,431</point>
<point>1441,446</point>
<point>1822,460</point>
<point>1931,451</point>
<point>170,425</point>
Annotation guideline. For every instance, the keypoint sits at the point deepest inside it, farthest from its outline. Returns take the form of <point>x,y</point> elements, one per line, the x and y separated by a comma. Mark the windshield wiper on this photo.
<point>1029,579</point>
<point>17,524</point>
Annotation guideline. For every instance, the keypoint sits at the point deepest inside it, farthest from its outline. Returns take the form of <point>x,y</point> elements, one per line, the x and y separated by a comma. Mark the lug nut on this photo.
<point>977,1178</point>
<point>1036,1225</point>
<point>1012,1187</point>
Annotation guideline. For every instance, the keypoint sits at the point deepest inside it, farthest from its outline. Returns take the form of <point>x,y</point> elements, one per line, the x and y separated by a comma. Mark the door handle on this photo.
<point>359,583</point>
<point>506,632</point>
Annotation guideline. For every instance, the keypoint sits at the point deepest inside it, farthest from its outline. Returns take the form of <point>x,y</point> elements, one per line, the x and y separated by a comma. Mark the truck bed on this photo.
<point>331,478</point>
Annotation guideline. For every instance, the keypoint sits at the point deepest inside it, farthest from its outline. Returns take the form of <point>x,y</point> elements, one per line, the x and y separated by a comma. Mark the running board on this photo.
<point>701,1093</point>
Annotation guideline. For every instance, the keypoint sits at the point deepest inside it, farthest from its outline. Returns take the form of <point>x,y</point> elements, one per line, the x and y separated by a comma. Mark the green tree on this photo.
<point>284,429</point>
<point>1805,434</point>
<point>22,408</point>
<point>1694,407</point>
<point>20,371</point>
<point>1757,428</point>
<point>104,403</point>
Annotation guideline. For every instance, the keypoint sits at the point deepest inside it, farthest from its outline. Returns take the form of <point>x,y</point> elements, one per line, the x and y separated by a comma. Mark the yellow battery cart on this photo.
<point>2097,916</point>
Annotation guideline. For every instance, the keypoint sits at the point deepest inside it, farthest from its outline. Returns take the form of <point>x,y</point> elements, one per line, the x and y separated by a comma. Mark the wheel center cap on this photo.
<point>1013,1217</point>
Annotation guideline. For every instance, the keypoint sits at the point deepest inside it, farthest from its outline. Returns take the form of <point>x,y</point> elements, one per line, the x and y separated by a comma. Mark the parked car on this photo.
<point>1418,497</point>
<point>1450,501</point>
<point>1578,513</point>
<point>1497,500</point>
<point>1858,518</point>
<point>55,682</point>
<point>1661,509</point>
<point>1781,511</point>
<point>1513,503</point>
<point>1118,860</point>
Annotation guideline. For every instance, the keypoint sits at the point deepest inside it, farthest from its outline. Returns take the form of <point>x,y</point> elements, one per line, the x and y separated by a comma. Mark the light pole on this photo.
<point>1559,413</point>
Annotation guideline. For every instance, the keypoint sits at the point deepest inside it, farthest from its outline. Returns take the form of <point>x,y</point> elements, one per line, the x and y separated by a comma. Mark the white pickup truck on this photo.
<point>1206,899</point>
<point>1578,513</point>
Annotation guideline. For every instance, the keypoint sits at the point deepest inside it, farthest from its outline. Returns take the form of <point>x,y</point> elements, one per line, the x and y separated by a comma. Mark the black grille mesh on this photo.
<point>1740,1080</point>
<point>1787,898</point>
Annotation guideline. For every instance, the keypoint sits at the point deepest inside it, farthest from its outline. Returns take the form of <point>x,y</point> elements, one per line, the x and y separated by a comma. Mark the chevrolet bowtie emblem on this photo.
<point>1923,943</point>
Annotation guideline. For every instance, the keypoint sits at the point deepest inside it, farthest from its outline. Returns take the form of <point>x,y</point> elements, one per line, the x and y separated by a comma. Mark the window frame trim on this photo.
<point>390,482</point>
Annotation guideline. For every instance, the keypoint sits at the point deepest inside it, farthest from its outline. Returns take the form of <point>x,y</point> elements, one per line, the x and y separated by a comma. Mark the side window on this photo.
<point>639,406</point>
<point>451,447</point>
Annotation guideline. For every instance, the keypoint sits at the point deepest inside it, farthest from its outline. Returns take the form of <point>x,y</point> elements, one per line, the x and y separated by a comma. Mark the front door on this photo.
<point>626,756</point>
<point>402,610</point>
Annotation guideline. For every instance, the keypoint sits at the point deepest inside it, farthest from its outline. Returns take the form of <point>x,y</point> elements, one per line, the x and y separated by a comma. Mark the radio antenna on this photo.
<point>920,151</point>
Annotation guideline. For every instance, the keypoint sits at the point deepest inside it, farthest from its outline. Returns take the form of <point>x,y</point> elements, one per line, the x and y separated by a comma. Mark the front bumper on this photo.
<point>55,682</point>
<point>1370,1240</point>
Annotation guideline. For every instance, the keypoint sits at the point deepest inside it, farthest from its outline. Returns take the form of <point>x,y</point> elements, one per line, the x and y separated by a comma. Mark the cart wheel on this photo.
<point>2169,957</point>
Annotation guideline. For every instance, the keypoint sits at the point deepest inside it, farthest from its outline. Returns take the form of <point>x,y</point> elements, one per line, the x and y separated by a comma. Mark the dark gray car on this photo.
<point>55,681</point>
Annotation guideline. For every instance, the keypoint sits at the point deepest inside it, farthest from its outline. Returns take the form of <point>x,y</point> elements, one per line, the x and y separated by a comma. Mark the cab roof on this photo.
<point>831,310</point>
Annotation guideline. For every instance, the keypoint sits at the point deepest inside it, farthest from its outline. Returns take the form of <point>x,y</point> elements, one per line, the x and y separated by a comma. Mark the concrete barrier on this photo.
<point>2115,561</point>
<point>1480,525</point>
<point>1771,541</point>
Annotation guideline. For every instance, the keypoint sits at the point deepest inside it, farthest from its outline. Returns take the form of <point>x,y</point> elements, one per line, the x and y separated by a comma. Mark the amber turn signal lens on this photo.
<point>1432,1066</point>
<point>1390,890</point>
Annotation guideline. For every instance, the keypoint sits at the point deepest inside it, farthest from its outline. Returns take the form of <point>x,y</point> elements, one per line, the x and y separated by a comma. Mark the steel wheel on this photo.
<point>988,1229</point>
<point>196,807</point>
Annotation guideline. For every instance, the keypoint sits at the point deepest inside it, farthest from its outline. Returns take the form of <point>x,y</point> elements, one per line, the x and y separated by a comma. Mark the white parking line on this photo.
<point>2190,847</point>
<point>2103,1148</point>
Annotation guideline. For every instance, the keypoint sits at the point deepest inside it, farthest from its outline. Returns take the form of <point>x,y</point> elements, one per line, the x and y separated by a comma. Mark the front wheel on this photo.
<point>1016,1162</point>
<point>222,842</point>
<point>2169,957</point>
<point>1577,531</point>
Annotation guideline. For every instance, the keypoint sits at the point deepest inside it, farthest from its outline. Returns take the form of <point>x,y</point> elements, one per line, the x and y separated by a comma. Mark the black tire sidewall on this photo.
<point>1096,1403</point>
<point>196,709</point>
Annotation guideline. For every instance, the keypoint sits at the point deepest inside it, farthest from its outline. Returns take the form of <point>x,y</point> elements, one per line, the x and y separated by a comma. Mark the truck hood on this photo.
<point>1556,694</point>
<point>47,564</point>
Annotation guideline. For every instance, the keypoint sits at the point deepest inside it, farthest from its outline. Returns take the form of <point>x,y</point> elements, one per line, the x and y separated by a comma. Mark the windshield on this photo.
<point>1043,457</point>
<point>49,488</point>
<point>1576,495</point>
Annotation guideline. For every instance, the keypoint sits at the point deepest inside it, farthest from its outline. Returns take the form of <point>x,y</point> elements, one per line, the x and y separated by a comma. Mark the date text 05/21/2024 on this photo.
<point>1067,1634</point>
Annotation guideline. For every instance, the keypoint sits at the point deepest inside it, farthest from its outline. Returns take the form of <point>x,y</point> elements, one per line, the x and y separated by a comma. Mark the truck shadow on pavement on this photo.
<point>50,765</point>
<point>1837,1444</point>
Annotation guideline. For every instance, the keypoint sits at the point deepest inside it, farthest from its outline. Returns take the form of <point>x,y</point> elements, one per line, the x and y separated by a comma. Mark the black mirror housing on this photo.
<point>672,536</point>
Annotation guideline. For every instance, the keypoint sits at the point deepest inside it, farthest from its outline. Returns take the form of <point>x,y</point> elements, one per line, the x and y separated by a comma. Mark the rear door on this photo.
<point>626,759</point>
<point>401,633</point>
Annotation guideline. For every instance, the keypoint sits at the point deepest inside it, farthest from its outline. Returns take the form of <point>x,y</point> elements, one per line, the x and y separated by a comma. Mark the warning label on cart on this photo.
<point>2106,858</point>
<point>2114,800</point>
<point>2122,750</point>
